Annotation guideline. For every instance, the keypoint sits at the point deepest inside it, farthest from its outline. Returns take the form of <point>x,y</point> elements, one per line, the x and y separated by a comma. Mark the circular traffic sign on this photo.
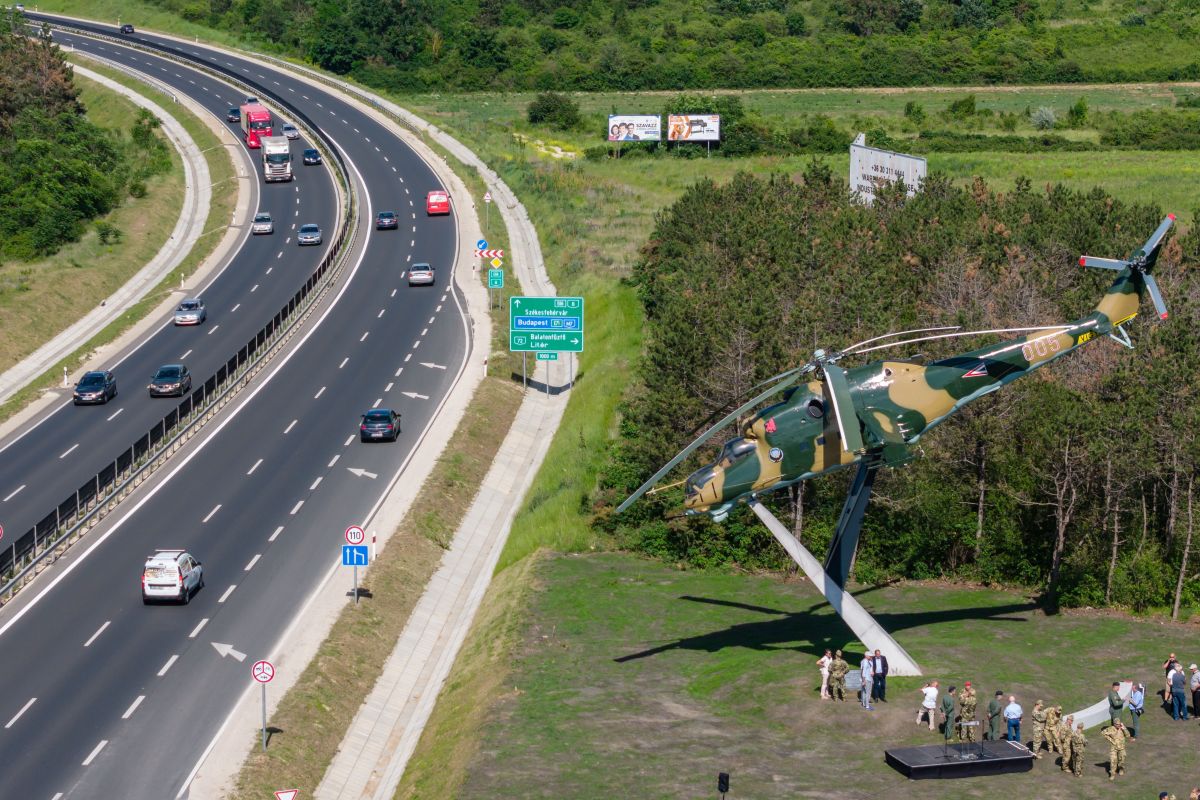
<point>355,535</point>
<point>263,671</point>
<point>481,244</point>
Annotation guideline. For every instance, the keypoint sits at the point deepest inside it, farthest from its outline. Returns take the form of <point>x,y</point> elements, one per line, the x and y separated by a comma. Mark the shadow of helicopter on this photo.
<point>820,631</point>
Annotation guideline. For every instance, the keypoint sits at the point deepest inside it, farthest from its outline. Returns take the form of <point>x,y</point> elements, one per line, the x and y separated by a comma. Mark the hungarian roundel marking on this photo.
<point>977,372</point>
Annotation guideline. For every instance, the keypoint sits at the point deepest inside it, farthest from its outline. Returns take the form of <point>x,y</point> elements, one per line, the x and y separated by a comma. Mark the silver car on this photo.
<point>420,275</point>
<point>291,131</point>
<point>191,312</point>
<point>308,234</point>
<point>262,223</point>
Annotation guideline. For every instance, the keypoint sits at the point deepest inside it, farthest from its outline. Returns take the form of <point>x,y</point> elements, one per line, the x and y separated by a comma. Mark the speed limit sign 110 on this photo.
<point>355,535</point>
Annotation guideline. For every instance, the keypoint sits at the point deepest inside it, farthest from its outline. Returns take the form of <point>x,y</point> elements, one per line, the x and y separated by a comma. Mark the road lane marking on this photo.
<point>423,332</point>
<point>198,628</point>
<point>316,483</point>
<point>251,470</point>
<point>253,561</point>
<point>97,633</point>
<point>406,358</point>
<point>416,344</point>
<point>216,508</point>
<point>185,355</point>
<point>274,535</point>
<point>380,314</point>
<point>290,426</point>
<point>64,455</point>
<point>94,753</point>
<point>320,392</point>
<point>377,402</point>
<point>348,441</point>
<point>213,329</point>
<point>17,716</point>
<point>235,308</point>
<point>430,321</point>
<point>364,336</point>
<point>129,711</point>
<point>228,592</point>
<point>296,508</point>
<point>438,309</point>
<point>394,292</point>
<point>344,360</point>
<point>269,270</point>
<point>170,663</point>
<point>17,491</point>
<point>113,416</point>
<point>399,371</point>
<point>388,388</point>
<point>333,461</point>
<point>253,288</point>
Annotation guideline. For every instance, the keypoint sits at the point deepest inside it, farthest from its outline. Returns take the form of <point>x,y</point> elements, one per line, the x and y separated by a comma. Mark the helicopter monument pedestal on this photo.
<point>850,610</point>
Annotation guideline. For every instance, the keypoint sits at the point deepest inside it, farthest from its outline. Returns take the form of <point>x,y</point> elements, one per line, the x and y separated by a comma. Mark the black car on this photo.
<point>126,28</point>
<point>385,219</point>
<point>234,114</point>
<point>171,379</point>
<point>312,156</point>
<point>95,387</point>
<point>379,423</point>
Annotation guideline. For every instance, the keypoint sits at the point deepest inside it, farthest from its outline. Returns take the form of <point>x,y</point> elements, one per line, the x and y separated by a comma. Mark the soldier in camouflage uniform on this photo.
<point>1053,719</point>
<point>966,712</point>
<point>1039,728</point>
<point>1078,745</point>
<point>1116,734</point>
<point>1065,729</point>
<point>837,676</point>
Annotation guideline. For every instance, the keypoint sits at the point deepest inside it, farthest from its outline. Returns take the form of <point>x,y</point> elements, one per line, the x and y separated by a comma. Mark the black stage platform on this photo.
<point>961,760</point>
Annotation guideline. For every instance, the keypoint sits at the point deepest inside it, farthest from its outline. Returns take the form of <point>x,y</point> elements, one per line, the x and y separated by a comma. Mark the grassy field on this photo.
<point>633,678</point>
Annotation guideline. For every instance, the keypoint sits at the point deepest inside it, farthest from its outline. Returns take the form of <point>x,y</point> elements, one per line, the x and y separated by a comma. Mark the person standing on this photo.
<point>995,708</point>
<point>1078,745</point>
<point>1039,728</point>
<point>837,674</point>
<point>1169,667</point>
<point>1137,704</point>
<point>1053,719</point>
<point>1012,718</point>
<point>1066,732</point>
<point>966,712</point>
<point>948,714</point>
<point>1178,695</point>
<point>928,707</point>
<point>1194,685</point>
<point>867,671</point>
<point>1116,736</point>
<point>823,665</point>
<point>880,668</point>
<point>1115,703</point>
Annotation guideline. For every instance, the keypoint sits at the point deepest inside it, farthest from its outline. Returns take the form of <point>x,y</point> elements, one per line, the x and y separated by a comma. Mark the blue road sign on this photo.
<point>481,244</point>
<point>354,555</point>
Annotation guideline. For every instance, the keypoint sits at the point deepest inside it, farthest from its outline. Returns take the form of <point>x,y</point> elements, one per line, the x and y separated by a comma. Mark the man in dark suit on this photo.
<point>879,686</point>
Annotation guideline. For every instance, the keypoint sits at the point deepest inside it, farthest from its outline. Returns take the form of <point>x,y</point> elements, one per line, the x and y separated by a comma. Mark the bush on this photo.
<point>108,233</point>
<point>1077,114</point>
<point>913,111</point>
<point>556,110</point>
<point>961,109</point>
<point>1043,118</point>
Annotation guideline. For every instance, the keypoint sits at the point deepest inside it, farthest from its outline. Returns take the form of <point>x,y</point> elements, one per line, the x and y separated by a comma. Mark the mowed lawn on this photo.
<point>632,679</point>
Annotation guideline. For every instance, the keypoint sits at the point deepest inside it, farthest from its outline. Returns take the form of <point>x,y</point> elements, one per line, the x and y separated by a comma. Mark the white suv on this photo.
<point>171,575</point>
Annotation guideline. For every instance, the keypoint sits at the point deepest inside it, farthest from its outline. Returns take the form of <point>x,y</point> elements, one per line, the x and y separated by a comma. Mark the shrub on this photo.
<point>913,111</point>
<point>796,24</point>
<point>1077,114</point>
<point>108,233</point>
<point>554,109</point>
<point>963,108</point>
<point>1043,118</point>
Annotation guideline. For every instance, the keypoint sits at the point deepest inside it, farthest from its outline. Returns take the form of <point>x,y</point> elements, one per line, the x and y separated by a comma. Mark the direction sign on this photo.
<point>355,535</point>
<point>354,555</point>
<point>287,794</point>
<point>263,671</point>
<point>495,279</point>
<point>481,244</point>
<point>489,254</point>
<point>547,356</point>
<point>487,197</point>
<point>537,324</point>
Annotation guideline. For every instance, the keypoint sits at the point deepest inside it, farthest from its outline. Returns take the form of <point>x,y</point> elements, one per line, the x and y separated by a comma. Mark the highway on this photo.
<point>104,697</point>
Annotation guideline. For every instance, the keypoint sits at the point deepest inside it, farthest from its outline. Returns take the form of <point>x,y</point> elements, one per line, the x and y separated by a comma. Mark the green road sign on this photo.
<point>547,356</point>
<point>543,324</point>
<point>495,279</point>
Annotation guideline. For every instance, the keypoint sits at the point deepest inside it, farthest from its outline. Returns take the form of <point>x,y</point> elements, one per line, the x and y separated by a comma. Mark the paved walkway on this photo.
<point>192,218</point>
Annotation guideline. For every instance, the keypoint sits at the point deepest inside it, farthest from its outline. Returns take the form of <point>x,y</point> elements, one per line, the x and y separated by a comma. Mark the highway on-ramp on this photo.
<point>104,697</point>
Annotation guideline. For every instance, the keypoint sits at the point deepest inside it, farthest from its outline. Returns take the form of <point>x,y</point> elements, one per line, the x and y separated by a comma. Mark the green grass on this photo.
<point>629,672</point>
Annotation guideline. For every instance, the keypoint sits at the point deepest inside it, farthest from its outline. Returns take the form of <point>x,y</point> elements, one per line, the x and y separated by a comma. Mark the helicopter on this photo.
<point>873,415</point>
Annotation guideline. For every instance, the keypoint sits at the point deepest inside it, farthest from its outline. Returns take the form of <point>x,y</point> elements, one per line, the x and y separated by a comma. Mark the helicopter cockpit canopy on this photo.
<point>735,450</point>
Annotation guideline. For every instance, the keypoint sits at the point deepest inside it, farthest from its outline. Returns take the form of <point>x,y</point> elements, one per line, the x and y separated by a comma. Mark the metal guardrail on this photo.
<point>153,83</point>
<point>71,519</point>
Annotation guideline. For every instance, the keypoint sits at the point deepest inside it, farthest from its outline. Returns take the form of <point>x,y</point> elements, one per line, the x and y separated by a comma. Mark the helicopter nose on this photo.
<point>702,488</point>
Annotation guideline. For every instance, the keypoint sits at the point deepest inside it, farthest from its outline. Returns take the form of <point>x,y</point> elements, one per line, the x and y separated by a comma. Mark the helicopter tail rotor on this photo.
<point>1140,264</point>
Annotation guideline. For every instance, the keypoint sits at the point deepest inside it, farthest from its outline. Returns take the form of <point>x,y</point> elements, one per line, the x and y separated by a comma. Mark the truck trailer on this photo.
<point>276,158</point>
<point>256,123</point>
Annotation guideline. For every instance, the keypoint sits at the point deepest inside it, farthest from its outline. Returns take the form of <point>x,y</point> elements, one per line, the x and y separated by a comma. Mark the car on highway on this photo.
<point>171,575</point>
<point>308,234</point>
<point>385,219</point>
<point>191,312</point>
<point>420,275</point>
<point>262,223</point>
<point>379,423</point>
<point>250,99</point>
<point>290,131</point>
<point>233,114</point>
<point>312,156</point>
<point>437,202</point>
<point>95,387</point>
<point>126,28</point>
<point>171,379</point>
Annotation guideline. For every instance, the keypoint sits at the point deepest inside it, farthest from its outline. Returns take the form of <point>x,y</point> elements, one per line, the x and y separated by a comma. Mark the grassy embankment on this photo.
<point>49,295</point>
<point>593,216</point>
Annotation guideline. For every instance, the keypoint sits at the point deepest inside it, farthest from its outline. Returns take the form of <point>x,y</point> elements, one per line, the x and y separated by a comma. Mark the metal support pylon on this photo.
<point>849,527</point>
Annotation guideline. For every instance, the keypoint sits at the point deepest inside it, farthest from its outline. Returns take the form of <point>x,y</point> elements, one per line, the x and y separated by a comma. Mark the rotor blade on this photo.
<point>843,407</point>
<point>1156,238</point>
<point>965,333</point>
<point>856,345</point>
<point>1103,263</point>
<point>711,432</point>
<point>1156,296</point>
<point>802,369</point>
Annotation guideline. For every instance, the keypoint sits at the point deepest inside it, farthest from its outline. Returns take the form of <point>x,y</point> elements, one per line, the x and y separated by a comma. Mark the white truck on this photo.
<point>276,158</point>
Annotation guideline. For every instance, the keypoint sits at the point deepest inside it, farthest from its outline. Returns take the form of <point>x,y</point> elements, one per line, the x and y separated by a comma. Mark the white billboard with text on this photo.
<point>870,168</point>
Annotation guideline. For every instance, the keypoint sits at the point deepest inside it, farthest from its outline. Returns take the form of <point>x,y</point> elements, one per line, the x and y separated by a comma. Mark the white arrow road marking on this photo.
<point>228,650</point>
<point>362,473</point>
<point>415,396</point>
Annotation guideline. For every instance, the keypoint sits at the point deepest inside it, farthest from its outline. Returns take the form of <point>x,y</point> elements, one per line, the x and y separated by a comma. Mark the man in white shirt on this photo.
<point>1012,717</point>
<point>868,679</point>
<point>928,705</point>
<point>823,665</point>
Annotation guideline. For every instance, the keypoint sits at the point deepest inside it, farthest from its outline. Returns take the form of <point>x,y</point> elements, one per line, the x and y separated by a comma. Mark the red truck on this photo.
<point>256,123</point>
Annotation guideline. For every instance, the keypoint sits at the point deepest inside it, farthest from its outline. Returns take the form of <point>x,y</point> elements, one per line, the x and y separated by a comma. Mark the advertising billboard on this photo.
<point>634,128</point>
<point>694,128</point>
<point>870,167</point>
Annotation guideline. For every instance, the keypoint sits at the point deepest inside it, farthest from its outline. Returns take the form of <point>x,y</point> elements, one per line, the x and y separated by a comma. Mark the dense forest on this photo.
<point>435,45</point>
<point>1078,479</point>
<point>58,171</point>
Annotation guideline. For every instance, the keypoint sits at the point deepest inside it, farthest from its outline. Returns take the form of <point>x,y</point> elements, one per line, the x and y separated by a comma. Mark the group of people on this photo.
<point>1178,685</point>
<point>873,670</point>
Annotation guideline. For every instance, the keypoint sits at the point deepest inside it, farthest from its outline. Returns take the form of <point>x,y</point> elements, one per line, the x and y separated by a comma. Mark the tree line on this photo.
<point>1079,479</point>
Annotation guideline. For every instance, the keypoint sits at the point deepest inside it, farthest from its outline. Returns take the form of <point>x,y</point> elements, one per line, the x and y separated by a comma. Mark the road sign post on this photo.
<point>354,555</point>
<point>487,211</point>
<point>263,672</point>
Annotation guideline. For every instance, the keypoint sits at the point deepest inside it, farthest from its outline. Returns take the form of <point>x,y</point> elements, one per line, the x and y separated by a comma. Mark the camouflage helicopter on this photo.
<point>873,415</point>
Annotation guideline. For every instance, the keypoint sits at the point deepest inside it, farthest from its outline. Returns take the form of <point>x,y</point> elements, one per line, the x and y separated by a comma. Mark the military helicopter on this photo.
<point>873,415</point>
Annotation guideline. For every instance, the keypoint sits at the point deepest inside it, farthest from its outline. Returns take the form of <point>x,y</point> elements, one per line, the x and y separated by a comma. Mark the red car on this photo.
<point>437,202</point>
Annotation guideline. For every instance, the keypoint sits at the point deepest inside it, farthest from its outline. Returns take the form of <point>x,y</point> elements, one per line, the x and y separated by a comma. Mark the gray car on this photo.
<point>420,275</point>
<point>262,223</point>
<point>308,234</point>
<point>191,312</point>
<point>95,387</point>
<point>291,131</point>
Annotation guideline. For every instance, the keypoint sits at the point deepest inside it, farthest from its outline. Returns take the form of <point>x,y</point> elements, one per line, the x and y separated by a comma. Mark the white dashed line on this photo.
<point>430,322</point>
<point>296,508</point>
<point>253,561</point>
<point>64,455</point>
<point>346,443</point>
<point>406,359</point>
<point>376,148</point>
<point>216,508</point>
<point>380,314</point>
<point>254,288</point>
<point>423,332</point>
<point>316,483</point>
<point>17,716</point>
<point>170,663</point>
<point>344,360</point>
<point>281,252</point>
<point>291,425</point>
<point>332,461</point>
<point>399,371</point>
<point>319,104</point>
<point>17,491</point>
<point>256,464</point>
<point>269,270</point>
<point>364,336</point>
<point>438,309</point>
<point>235,308</point>
<point>278,531</point>
<point>228,592</point>
<point>320,392</point>
<point>94,753</point>
<point>129,711</point>
<point>412,242</point>
<point>376,403</point>
<point>388,388</point>
<point>416,344</point>
<point>394,292</point>
<point>368,138</point>
<point>385,158</point>
<point>393,169</point>
<point>196,630</point>
<point>88,643</point>
<point>213,329</point>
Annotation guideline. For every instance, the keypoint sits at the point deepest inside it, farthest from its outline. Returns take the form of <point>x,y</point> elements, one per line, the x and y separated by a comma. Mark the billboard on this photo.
<point>634,128</point>
<point>870,167</point>
<point>694,128</point>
